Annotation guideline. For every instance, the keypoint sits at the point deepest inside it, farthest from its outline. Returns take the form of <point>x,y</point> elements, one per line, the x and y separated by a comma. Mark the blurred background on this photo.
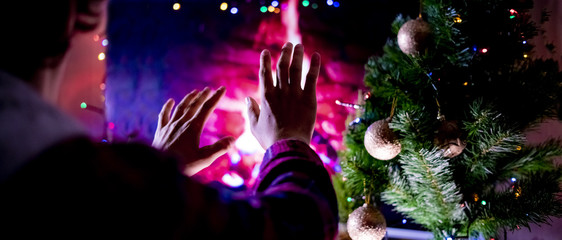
<point>152,50</point>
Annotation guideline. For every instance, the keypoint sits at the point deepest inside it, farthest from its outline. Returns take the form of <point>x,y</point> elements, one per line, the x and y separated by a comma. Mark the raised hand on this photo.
<point>287,110</point>
<point>181,133</point>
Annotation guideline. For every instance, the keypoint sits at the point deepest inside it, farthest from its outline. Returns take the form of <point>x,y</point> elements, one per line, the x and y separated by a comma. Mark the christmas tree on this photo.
<point>449,101</point>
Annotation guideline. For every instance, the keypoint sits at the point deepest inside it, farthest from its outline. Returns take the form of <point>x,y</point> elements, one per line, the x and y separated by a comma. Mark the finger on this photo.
<point>184,103</point>
<point>312,76</point>
<point>253,111</point>
<point>296,67</point>
<point>266,77</point>
<point>283,66</point>
<point>208,154</point>
<point>164,116</point>
<point>207,108</point>
<point>195,105</point>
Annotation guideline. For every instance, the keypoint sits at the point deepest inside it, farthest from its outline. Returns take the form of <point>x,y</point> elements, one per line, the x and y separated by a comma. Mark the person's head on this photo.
<point>36,34</point>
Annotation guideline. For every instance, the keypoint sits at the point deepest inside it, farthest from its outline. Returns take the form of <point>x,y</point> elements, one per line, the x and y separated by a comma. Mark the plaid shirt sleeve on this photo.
<point>293,198</point>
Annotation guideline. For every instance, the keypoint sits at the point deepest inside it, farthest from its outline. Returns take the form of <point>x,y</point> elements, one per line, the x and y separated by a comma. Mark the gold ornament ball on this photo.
<point>366,223</point>
<point>414,36</point>
<point>448,139</point>
<point>381,142</point>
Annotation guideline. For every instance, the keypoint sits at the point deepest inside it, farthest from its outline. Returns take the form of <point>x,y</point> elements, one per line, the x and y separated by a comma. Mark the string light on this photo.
<point>518,148</point>
<point>314,6</point>
<point>96,37</point>
<point>101,56</point>
<point>484,50</point>
<point>513,179</point>
<point>234,10</point>
<point>176,6</point>
<point>404,221</point>
<point>105,42</point>
<point>263,9</point>
<point>275,3</point>
<point>102,86</point>
<point>483,203</point>
<point>350,199</point>
<point>336,4</point>
<point>524,42</point>
<point>270,8</point>
<point>465,84</point>
<point>330,2</point>
<point>512,17</point>
<point>83,105</point>
<point>224,6</point>
<point>525,55</point>
<point>111,125</point>
<point>277,10</point>
<point>305,3</point>
<point>457,19</point>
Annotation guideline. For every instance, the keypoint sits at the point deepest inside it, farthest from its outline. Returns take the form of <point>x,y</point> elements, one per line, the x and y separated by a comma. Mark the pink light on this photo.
<point>512,11</point>
<point>111,125</point>
<point>484,50</point>
<point>232,179</point>
<point>290,18</point>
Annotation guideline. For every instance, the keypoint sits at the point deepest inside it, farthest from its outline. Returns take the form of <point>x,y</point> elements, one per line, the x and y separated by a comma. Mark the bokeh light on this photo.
<point>101,56</point>
<point>224,6</point>
<point>234,10</point>
<point>176,6</point>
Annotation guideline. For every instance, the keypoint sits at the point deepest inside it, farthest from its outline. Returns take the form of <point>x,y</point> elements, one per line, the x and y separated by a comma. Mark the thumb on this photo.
<point>253,110</point>
<point>207,155</point>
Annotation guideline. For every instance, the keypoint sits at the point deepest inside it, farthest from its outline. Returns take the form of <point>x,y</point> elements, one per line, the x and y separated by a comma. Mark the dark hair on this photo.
<point>38,32</point>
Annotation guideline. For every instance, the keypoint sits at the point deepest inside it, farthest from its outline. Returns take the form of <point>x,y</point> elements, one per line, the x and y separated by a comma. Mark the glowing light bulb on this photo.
<point>111,125</point>
<point>176,6</point>
<point>349,199</point>
<point>484,50</point>
<point>524,42</point>
<point>512,17</point>
<point>224,6</point>
<point>404,221</point>
<point>235,158</point>
<point>483,203</point>
<point>101,56</point>
<point>96,37</point>
<point>277,10</point>
<point>518,148</point>
<point>263,9</point>
<point>234,10</point>
<point>465,84</point>
<point>525,55</point>
<point>512,11</point>
<point>275,3</point>
<point>105,42</point>
<point>330,2</point>
<point>513,179</point>
<point>270,8</point>
<point>305,3</point>
<point>336,4</point>
<point>83,105</point>
<point>232,179</point>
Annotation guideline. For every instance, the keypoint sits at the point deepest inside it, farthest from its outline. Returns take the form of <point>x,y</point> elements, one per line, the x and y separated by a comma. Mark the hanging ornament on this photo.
<point>448,138</point>
<point>414,36</point>
<point>381,142</point>
<point>366,223</point>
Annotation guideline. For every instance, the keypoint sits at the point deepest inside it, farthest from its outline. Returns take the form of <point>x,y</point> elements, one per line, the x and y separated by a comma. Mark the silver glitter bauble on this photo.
<point>381,142</point>
<point>414,36</point>
<point>366,223</point>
